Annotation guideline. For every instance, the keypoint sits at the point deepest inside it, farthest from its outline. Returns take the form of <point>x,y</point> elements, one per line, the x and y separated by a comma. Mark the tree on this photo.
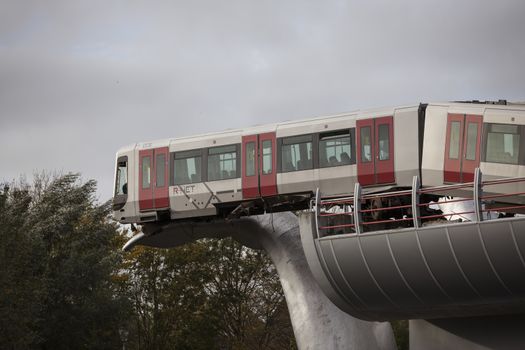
<point>65,284</point>
<point>169,301</point>
<point>58,259</point>
<point>400,328</point>
<point>246,296</point>
<point>211,294</point>
<point>19,261</point>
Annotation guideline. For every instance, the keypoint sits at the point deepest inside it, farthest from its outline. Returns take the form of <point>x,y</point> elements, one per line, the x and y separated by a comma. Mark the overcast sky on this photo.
<point>79,79</point>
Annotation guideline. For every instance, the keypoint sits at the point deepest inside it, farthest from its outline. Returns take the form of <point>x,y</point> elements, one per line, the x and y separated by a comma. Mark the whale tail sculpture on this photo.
<point>316,321</point>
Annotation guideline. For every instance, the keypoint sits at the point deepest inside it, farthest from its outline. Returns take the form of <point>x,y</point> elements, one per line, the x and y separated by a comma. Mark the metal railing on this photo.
<point>335,215</point>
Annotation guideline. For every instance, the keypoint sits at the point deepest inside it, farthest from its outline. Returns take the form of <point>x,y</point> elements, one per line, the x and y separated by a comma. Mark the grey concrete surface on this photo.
<point>316,321</point>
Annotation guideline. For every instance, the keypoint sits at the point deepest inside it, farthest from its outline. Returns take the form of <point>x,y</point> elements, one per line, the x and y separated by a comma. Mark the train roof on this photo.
<point>358,114</point>
<point>254,129</point>
<point>502,104</point>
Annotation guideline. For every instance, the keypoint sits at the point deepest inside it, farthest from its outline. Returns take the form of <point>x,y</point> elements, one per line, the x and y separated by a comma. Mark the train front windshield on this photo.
<point>121,184</point>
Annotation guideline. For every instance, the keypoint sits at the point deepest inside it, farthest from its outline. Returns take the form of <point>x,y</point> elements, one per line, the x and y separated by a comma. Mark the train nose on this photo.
<point>121,184</point>
<point>119,202</point>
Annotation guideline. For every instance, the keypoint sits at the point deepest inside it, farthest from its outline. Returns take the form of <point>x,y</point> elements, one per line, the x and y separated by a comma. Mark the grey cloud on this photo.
<point>80,79</point>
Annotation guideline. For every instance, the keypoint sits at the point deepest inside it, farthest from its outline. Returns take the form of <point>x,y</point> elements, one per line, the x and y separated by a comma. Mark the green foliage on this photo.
<point>57,256</point>
<point>20,290</point>
<point>400,328</point>
<point>65,284</point>
<point>211,294</point>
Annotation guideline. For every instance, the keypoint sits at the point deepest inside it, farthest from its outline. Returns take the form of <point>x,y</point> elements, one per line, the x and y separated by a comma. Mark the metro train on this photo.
<point>279,167</point>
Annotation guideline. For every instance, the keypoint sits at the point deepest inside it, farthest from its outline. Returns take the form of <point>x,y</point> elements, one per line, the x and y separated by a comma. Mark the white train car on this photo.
<point>268,168</point>
<point>460,137</point>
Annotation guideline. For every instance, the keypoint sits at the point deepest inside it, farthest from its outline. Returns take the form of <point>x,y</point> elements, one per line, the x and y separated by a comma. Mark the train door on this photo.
<point>153,179</point>
<point>259,165</point>
<point>160,190</point>
<point>462,147</point>
<point>375,154</point>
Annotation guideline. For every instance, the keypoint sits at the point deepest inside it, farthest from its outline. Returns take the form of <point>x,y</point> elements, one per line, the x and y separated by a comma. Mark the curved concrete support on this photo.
<point>317,322</point>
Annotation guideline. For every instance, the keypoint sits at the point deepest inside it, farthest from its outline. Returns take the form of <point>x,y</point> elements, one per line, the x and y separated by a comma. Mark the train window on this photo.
<point>453,151</point>
<point>503,142</point>
<point>366,147</point>
<point>472,140</point>
<point>187,167</point>
<point>222,163</point>
<point>146,171</point>
<point>160,170</point>
<point>297,153</point>
<point>384,142</point>
<point>250,159</point>
<point>335,149</point>
<point>267,157</point>
<point>121,185</point>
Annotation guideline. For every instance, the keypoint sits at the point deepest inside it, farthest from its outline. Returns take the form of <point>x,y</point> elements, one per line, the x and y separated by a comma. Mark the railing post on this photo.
<point>478,192</point>
<point>415,202</point>
<point>317,204</point>
<point>357,208</point>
